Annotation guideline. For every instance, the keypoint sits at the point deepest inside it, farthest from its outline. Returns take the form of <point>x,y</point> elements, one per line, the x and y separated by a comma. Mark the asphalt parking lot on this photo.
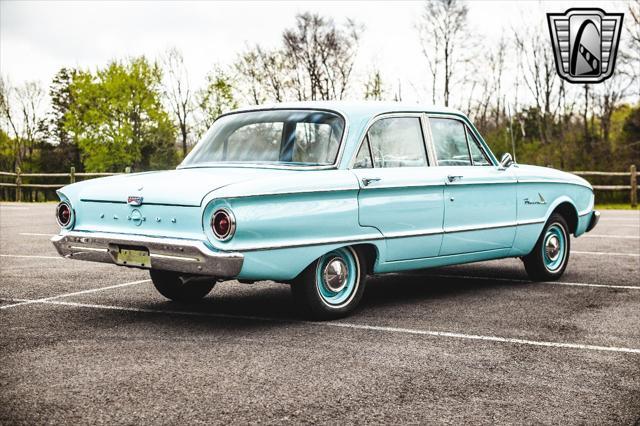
<point>94,343</point>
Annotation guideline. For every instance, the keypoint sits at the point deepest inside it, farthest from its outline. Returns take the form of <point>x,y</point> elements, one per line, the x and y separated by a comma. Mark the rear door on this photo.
<point>400,194</point>
<point>480,198</point>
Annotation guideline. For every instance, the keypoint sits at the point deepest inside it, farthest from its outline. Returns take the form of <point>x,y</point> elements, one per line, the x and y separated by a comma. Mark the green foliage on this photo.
<point>215,99</point>
<point>7,155</point>
<point>117,118</point>
<point>569,147</point>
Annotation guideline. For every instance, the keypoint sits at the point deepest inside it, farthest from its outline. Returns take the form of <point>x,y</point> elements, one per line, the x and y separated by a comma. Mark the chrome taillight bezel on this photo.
<point>58,209</point>
<point>232,224</point>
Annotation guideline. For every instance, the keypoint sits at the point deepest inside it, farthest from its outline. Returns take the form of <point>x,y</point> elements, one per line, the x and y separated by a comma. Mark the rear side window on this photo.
<point>315,143</point>
<point>397,142</point>
<point>450,141</point>
<point>363,159</point>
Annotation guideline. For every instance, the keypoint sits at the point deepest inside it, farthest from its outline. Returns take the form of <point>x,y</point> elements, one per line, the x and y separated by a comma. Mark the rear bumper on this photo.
<point>595,217</point>
<point>187,256</point>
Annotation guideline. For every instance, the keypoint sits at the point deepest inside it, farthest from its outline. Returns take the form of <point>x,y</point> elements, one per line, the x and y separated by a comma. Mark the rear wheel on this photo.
<point>180,288</point>
<point>549,258</point>
<point>332,286</point>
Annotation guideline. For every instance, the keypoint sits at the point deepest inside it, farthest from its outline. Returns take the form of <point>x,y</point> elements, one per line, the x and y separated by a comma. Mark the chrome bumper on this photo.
<point>595,217</point>
<point>188,256</point>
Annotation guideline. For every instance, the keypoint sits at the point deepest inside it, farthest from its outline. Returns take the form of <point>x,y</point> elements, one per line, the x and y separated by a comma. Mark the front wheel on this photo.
<point>181,288</point>
<point>549,258</point>
<point>332,286</point>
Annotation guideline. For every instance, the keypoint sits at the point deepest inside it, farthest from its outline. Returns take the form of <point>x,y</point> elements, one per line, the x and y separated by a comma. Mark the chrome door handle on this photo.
<point>452,178</point>
<point>369,181</point>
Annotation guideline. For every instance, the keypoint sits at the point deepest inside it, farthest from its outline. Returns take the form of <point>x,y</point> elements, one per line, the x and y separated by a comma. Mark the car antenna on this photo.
<point>513,142</point>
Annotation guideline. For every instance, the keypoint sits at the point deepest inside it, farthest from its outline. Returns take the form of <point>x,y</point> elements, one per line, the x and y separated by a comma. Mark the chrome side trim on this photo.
<point>393,235</point>
<point>319,242</point>
<point>568,182</point>
<point>414,234</point>
<point>453,230</point>
<point>419,185</point>
<point>187,256</point>
<point>481,182</point>
<point>531,222</point>
<point>306,191</point>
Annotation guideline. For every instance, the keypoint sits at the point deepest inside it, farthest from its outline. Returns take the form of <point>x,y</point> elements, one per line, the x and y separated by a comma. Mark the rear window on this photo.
<point>282,137</point>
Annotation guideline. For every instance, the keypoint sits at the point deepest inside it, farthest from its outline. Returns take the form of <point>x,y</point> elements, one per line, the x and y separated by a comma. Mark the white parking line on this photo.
<point>366,327</point>
<point>75,293</point>
<point>29,256</point>
<point>2,206</point>
<point>35,234</point>
<point>560,283</point>
<point>623,237</point>
<point>604,253</point>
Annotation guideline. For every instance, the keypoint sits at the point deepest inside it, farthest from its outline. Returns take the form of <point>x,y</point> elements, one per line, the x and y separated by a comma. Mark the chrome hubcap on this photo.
<point>335,274</point>
<point>553,247</point>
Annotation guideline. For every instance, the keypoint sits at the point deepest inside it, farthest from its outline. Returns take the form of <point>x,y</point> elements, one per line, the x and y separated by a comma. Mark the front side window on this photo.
<point>477,154</point>
<point>450,142</point>
<point>397,142</point>
<point>280,137</point>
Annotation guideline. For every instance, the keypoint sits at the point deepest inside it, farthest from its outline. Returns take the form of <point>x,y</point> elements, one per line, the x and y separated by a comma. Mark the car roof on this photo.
<point>356,108</point>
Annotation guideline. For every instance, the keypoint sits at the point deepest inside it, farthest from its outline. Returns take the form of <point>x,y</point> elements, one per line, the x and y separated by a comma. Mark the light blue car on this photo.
<point>322,194</point>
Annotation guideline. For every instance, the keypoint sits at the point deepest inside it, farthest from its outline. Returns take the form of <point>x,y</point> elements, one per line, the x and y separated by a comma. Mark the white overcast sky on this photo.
<point>39,37</point>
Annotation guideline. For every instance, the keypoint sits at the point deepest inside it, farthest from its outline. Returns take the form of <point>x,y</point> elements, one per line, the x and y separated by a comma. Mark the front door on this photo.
<point>400,194</point>
<point>479,197</point>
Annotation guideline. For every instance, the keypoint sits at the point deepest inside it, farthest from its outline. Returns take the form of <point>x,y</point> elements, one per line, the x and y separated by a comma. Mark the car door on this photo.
<point>399,193</point>
<point>480,197</point>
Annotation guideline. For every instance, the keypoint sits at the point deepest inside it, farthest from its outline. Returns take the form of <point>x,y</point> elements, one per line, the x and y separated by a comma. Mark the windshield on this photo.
<point>281,137</point>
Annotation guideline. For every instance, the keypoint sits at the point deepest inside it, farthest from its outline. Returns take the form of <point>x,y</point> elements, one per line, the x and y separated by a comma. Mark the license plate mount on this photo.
<point>131,256</point>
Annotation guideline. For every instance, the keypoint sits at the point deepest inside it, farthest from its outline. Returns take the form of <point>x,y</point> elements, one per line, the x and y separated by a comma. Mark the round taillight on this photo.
<point>223,224</point>
<point>63,214</point>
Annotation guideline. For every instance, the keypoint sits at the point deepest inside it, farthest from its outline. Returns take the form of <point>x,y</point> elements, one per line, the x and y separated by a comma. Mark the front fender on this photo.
<point>538,200</point>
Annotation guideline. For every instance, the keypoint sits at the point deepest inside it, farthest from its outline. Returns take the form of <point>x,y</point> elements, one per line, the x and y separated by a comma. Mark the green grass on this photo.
<point>616,206</point>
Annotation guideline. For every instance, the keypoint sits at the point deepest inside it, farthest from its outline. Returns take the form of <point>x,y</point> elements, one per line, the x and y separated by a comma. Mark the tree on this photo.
<point>315,62</point>
<point>322,55</point>
<point>67,152</point>
<point>178,94</point>
<point>537,68</point>
<point>266,74</point>
<point>214,99</point>
<point>22,116</point>
<point>632,58</point>
<point>117,117</point>
<point>373,87</point>
<point>249,68</point>
<point>444,34</point>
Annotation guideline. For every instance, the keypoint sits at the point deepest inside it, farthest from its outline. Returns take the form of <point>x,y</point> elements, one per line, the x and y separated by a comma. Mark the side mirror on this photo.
<point>506,161</point>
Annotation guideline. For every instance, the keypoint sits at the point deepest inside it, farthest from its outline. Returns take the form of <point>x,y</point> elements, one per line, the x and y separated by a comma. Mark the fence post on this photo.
<point>127,169</point>
<point>18,184</point>
<point>634,185</point>
<point>72,175</point>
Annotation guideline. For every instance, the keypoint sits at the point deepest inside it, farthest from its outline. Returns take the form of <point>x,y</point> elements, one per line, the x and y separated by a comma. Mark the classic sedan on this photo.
<point>319,195</point>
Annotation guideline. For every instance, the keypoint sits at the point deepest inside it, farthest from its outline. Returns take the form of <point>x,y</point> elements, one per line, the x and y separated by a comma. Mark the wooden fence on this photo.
<point>72,175</point>
<point>632,187</point>
<point>33,188</point>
